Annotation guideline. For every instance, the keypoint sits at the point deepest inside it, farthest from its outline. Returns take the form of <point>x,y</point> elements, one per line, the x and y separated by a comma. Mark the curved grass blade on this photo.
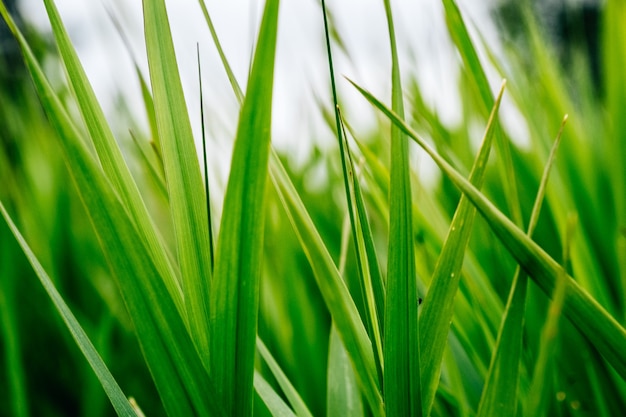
<point>333,289</point>
<point>114,392</point>
<point>402,385</point>
<point>182,172</point>
<point>438,305</point>
<point>600,328</point>
<point>292,395</point>
<point>371,286</point>
<point>499,396</point>
<point>110,154</point>
<point>235,289</point>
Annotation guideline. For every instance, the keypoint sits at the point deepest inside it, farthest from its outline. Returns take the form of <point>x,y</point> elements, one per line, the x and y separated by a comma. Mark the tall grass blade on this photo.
<point>114,392</point>
<point>402,390</point>
<point>182,172</point>
<point>500,392</point>
<point>333,289</point>
<point>438,305</point>
<point>371,286</point>
<point>235,289</point>
<point>601,329</point>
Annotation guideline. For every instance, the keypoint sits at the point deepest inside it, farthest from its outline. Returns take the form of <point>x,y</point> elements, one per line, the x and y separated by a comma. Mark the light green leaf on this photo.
<point>182,172</point>
<point>272,400</point>
<point>403,392</point>
<point>343,395</point>
<point>235,289</point>
<point>290,392</point>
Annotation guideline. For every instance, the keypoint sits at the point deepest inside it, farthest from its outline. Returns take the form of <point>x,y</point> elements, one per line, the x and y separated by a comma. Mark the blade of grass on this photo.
<point>372,289</point>
<point>402,385</point>
<point>333,289</point>
<point>206,165</point>
<point>537,398</point>
<point>343,397</point>
<point>114,392</point>
<point>272,400</point>
<point>602,330</point>
<point>110,154</point>
<point>499,396</point>
<point>460,36</point>
<point>14,372</point>
<point>229,72</point>
<point>182,171</point>
<point>439,301</point>
<point>173,361</point>
<point>292,395</point>
<point>235,289</point>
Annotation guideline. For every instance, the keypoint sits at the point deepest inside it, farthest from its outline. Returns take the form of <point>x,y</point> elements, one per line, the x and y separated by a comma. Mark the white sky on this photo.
<point>301,69</point>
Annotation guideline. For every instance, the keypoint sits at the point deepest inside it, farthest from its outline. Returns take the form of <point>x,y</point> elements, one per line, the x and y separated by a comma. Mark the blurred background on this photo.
<point>42,373</point>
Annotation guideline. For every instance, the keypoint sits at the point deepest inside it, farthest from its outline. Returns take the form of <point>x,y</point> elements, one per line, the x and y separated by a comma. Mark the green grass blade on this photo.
<point>333,289</point>
<point>229,72</point>
<point>272,400</point>
<point>499,396</point>
<point>15,372</point>
<point>614,55</point>
<point>438,305</point>
<point>343,397</point>
<point>402,390</point>
<point>601,329</point>
<point>110,154</point>
<point>235,289</point>
<point>114,392</point>
<point>372,294</point>
<point>206,165</point>
<point>182,171</point>
<point>292,395</point>
<point>460,36</point>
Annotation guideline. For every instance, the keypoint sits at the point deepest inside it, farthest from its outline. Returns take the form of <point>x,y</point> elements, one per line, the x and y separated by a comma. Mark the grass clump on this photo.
<point>460,298</point>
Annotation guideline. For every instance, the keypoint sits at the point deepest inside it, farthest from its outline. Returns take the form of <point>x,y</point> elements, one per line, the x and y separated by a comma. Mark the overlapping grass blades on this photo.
<point>182,172</point>
<point>235,289</point>
<point>114,392</point>
<point>402,385</point>
<point>439,302</point>
<point>333,289</point>
<point>370,279</point>
<point>172,359</point>
<point>601,329</point>
<point>500,393</point>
